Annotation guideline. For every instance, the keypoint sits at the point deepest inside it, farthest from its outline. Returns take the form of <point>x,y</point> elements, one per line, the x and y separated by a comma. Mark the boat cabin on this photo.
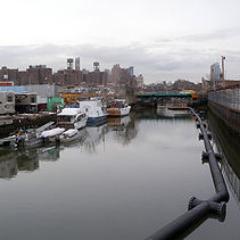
<point>70,116</point>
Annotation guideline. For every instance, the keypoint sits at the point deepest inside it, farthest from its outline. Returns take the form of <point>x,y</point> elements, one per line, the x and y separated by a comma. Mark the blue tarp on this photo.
<point>16,89</point>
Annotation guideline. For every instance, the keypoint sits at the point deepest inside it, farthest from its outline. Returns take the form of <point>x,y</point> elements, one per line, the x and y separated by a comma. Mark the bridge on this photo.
<point>163,94</point>
<point>154,98</point>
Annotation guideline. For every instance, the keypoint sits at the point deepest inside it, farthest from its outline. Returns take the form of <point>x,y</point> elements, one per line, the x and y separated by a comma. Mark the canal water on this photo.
<point>120,181</point>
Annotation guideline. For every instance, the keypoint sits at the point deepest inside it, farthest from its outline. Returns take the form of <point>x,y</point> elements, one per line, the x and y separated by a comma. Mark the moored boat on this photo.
<point>8,141</point>
<point>69,135</point>
<point>172,112</point>
<point>118,108</point>
<point>72,118</point>
<point>96,112</point>
<point>28,139</point>
<point>32,137</point>
<point>52,135</point>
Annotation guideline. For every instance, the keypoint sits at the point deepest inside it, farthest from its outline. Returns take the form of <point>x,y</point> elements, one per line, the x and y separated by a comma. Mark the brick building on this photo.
<point>39,74</point>
<point>9,75</point>
<point>67,77</point>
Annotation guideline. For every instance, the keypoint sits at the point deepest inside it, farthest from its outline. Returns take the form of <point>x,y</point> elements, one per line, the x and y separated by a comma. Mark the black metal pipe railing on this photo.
<point>199,210</point>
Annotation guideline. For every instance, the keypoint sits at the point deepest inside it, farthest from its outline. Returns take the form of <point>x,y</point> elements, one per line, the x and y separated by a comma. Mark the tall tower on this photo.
<point>70,63</point>
<point>130,71</point>
<point>77,63</point>
<point>223,70</point>
<point>96,66</point>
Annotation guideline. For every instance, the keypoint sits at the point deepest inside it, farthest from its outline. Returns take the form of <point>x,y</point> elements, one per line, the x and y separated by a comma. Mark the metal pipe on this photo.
<point>189,221</point>
<point>218,180</point>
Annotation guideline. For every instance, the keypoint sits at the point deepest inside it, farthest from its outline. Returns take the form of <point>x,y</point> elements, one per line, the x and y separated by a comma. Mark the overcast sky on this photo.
<point>163,39</point>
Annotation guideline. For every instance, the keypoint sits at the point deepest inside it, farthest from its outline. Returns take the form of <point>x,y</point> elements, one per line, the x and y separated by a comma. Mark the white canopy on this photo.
<point>70,112</point>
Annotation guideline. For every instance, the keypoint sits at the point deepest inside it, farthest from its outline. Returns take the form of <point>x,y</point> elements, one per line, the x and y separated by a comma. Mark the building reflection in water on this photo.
<point>125,128</point>
<point>14,161</point>
<point>228,144</point>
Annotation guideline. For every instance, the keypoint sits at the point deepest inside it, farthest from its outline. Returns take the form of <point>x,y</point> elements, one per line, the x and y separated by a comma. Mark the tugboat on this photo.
<point>118,108</point>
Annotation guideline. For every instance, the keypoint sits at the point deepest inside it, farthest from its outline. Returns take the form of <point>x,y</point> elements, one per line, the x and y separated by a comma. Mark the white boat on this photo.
<point>172,112</point>
<point>72,118</point>
<point>28,139</point>
<point>118,108</point>
<point>8,141</point>
<point>93,108</point>
<point>31,137</point>
<point>69,136</point>
<point>53,134</point>
<point>43,128</point>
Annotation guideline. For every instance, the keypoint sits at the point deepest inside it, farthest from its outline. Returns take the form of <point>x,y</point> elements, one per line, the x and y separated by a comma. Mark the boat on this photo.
<point>52,135</point>
<point>32,137</point>
<point>172,112</point>
<point>69,135</point>
<point>94,109</point>
<point>8,141</point>
<point>27,139</point>
<point>72,118</point>
<point>118,108</point>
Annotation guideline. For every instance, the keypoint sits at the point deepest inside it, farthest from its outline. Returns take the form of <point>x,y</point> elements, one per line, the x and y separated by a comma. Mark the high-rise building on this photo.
<point>130,71</point>
<point>96,66</point>
<point>7,74</point>
<point>122,76</point>
<point>77,63</point>
<point>39,74</point>
<point>140,81</point>
<point>116,74</point>
<point>215,72</point>
<point>70,63</point>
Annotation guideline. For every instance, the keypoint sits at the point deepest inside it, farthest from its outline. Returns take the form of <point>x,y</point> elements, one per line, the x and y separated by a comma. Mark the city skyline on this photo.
<point>163,40</point>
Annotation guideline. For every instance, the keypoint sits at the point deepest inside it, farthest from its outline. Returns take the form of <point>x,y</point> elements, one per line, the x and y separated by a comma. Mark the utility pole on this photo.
<point>223,59</point>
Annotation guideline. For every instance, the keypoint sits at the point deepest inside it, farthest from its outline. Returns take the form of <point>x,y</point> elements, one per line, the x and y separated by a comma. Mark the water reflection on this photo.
<point>12,161</point>
<point>125,129</point>
<point>120,130</point>
<point>49,153</point>
<point>140,181</point>
<point>228,144</point>
<point>94,136</point>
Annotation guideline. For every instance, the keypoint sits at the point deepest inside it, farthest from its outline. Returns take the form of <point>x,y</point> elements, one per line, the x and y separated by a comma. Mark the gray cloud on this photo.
<point>221,34</point>
<point>167,63</point>
<point>212,36</point>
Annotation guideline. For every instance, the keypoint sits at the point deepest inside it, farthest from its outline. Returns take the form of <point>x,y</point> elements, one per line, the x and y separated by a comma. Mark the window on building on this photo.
<point>33,100</point>
<point>9,98</point>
